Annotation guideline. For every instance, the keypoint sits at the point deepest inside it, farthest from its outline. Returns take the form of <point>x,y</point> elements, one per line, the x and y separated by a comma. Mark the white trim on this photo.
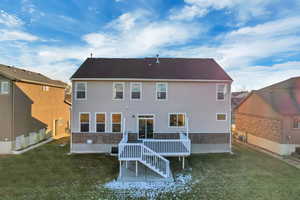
<point>137,124</point>
<point>225,89</point>
<point>147,79</point>
<point>141,86</point>
<point>2,86</point>
<point>113,95</point>
<point>221,114</point>
<point>111,122</point>
<point>105,122</point>
<point>177,113</point>
<point>166,91</point>
<point>89,122</point>
<point>81,99</point>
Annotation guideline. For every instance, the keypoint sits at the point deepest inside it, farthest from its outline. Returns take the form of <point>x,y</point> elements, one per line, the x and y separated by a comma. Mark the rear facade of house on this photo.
<point>149,108</point>
<point>32,108</point>
<point>270,117</point>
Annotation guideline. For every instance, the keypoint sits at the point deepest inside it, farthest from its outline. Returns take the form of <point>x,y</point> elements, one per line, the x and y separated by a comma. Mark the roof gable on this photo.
<point>148,68</point>
<point>283,97</point>
<point>18,74</point>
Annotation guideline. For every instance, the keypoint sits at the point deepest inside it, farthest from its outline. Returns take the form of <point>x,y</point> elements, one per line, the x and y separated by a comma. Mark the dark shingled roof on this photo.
<point>147,68</point>
<point>18,74</point>
<point>284,97</point>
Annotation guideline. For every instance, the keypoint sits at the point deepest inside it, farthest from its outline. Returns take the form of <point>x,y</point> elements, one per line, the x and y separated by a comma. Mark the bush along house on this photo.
<point>147,109</point>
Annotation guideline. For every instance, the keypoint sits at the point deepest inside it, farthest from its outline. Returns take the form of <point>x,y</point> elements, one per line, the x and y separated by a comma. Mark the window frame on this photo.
<point>177,113</point>
<point>80,113</point>
<point>1,88</point>
<point>105,122</point>
<point>131,87</point>
<point>221,114</point>
<point>111,122</point>
<point>224,92</point>
<point>156,91</point>
<point>76,89</point>
<point>113,94</point>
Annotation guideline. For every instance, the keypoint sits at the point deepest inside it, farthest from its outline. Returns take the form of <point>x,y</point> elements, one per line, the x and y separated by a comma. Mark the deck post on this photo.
<point>126,164</point>
<point>136,168</point>
<point>179,158</point>
<point>183,162</point>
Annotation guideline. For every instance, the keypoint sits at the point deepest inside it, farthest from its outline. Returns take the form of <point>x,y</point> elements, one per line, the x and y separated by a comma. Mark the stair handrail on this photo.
<point>158,155</point>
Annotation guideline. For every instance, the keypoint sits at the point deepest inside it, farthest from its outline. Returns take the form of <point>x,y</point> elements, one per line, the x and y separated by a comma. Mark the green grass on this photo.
<point>49,173</point>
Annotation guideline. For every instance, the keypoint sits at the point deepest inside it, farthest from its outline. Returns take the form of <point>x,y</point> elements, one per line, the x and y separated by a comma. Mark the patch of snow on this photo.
<point>182,184</point>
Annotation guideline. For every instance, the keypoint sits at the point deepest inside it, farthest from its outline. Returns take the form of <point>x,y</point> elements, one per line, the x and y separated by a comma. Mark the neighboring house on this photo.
<point>31,105</point>
<point>162,106</point>
<point>270,117</point>
<point>236,99</point>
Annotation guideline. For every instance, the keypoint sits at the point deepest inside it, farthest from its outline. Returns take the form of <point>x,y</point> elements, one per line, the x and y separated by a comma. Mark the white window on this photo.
<point>135,91</point>
<point>221,117</point>
<point>118,91</point>
<point>81,90</point>
<point>100,122</point>
<point>4,89</point>
<point>116,122</point>
<point>176,120</point>
<point>161,91</point>
<point>221,91</point>
<point>84,122</point>
<point>45,88</point>
<point>296,123</point>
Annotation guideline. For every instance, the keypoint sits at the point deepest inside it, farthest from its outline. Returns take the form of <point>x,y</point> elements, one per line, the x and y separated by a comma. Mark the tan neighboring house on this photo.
<point>32,107</point>
<point>147,109</point>
<point>270,117</point>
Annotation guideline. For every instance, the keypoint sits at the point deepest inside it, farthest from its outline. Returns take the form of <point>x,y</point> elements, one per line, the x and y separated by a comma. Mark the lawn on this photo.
<point>49,173</point>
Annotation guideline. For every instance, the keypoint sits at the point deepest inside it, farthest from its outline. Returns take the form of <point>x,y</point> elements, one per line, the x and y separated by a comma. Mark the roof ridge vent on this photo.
<point>157,59</point>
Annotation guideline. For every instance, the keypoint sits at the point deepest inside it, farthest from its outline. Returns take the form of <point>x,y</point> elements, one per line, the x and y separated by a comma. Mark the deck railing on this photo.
<point>170,147</point>
<point>139,152</point>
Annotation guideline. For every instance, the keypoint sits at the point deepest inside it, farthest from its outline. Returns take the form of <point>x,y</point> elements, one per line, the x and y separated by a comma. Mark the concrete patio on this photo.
<point>144,174</point>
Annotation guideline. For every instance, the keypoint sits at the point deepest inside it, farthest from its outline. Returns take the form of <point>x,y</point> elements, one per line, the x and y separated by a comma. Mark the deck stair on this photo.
<point>151,152</point>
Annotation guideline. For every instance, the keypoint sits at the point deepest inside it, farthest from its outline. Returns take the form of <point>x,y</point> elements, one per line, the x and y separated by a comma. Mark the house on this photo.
<point>270,117</point>
<point>151,108</point>
<point>32,107</point>
<point>236,99</point>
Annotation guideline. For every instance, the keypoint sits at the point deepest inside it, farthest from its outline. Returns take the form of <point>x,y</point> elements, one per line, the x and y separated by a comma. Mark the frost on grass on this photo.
<point>182,183</point>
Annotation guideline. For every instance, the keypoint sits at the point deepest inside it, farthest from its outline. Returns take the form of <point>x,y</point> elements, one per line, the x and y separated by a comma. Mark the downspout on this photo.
<point>13,114</point>
<point>229,121</point>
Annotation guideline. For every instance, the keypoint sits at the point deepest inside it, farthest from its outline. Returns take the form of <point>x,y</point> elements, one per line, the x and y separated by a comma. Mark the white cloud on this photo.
<point>8,35</point>
<point>256,77</point>
<point>10,20</point>
<point>243,9</point>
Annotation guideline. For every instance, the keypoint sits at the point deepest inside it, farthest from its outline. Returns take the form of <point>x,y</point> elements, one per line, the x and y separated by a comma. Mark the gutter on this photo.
<point>13,111</point>
<point>148,79</point>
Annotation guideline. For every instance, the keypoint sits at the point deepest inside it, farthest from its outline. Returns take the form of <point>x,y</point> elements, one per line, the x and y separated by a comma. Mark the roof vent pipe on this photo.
<point>157,59</point>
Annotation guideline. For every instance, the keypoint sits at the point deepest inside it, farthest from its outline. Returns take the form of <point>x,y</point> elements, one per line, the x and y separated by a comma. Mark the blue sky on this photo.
<point>257,42</point>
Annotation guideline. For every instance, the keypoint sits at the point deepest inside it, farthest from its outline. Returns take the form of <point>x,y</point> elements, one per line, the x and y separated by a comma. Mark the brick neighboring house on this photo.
<point>150,108</point>
<point>31,106</point>
<point>270,117</point>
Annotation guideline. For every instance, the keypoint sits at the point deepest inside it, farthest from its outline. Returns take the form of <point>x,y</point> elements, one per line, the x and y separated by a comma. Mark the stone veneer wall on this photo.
<point>115,138</point>
<point>264,127</point>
